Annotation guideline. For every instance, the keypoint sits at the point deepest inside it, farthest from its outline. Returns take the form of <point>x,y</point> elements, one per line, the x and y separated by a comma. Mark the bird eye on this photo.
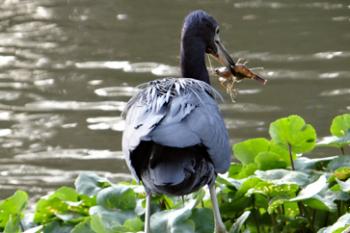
<point>217,31</point>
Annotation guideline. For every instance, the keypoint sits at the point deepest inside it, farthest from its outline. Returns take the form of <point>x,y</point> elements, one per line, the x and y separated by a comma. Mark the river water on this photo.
<point>67,68</point>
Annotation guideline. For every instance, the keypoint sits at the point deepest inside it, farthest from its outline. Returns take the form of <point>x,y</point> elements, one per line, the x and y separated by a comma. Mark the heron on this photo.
<point>175,140</point>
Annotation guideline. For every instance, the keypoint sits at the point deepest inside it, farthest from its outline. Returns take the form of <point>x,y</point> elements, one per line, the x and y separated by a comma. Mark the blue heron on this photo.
<point>175,140</point>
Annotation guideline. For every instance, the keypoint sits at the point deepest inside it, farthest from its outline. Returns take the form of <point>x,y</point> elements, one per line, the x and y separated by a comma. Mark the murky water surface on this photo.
<point>67,68</point>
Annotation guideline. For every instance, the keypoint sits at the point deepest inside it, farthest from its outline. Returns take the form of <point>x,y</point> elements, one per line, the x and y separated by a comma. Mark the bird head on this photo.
<point>200,25</point>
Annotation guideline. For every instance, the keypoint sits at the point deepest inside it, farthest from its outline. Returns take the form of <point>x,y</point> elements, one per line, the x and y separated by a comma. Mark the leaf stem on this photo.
<point>313,220</point>
<point>255,215</point>
<point>342,150</point>
<point>339,207</point>
<point>326,219</point>
<point>291,156</point>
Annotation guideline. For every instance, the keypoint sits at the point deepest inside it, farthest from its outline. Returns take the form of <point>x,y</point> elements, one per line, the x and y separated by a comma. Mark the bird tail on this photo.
<point>178,171</point>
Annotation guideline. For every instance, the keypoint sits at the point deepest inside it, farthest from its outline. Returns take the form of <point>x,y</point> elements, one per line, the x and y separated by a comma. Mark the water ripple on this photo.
<point>140,67</point>
<point>248,107</point>
<point>274,57</point>
<point>116,91</point>
<point>104,123</point>
<point>52,105</point>
<point>278,5</point>
<point>239,123</point>
<point>336,92</point>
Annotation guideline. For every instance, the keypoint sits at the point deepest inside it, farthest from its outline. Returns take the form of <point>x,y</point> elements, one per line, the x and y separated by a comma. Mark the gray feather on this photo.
<point>177,112</point>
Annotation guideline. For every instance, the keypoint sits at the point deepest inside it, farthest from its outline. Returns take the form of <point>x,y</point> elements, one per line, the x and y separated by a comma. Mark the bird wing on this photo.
<point>179,113</point>
<point>199,122</point>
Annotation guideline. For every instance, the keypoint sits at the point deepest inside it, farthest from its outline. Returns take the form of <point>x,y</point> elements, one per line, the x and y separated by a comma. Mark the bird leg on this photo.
<point>148,213</point>
<point>219,225</point>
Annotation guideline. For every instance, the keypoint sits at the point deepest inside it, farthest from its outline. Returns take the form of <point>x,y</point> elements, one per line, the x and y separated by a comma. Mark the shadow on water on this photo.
<point>69,67</point>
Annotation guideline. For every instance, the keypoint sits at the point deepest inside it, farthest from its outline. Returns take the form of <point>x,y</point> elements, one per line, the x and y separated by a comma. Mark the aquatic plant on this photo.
<point>273,188</point>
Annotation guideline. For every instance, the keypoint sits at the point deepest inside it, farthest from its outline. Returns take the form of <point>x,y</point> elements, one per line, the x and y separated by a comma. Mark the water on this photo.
<point>68,68</point>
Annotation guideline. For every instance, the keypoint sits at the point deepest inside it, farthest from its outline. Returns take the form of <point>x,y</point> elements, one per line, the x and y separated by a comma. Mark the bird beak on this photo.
<point>240,71</point>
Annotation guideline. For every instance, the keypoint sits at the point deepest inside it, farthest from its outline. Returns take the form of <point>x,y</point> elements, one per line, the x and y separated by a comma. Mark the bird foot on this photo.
<point>220,230</point>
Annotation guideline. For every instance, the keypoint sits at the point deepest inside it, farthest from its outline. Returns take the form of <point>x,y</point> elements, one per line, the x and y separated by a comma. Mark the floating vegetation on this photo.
<point>273,188</point>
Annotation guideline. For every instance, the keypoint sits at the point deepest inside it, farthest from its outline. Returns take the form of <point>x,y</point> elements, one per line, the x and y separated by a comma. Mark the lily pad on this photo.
<point>341,125</point>
<point>269,160</point>
<point>237,225</point>
<point>320,202</point>
<point>312,189</point>
<point>90,184</point>
<point>109,221</point>
<point>174,221</point>
<point>57,227</point>
<point>13,224</point>
<point>342,173</point>
<point>203,219</point>
<point>246,151</point>
<point>340,161</point>
<point>282,176</point>
<point>334,141</point>
<point>12,208</point>
<point>303,163</point>
<point>344,186</point>
<point>117,197</point>
<point>295,132</point>
<point>61,204</point>
<point>83,227</point>
<point>342,222</point>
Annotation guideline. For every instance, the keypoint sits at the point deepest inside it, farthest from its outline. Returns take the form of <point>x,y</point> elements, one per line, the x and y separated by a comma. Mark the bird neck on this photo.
<point>193,59</point>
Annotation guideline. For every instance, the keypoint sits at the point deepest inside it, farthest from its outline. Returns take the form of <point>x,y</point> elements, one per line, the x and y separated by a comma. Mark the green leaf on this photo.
<point>37,229</point>
<point>344,186</point>
<point>97,224</point>
<point>203,219</point>
<point>317,196</point>
<point>174,221</point>
<point>133,224</point>
<point>13,224</point>
<point>293,131</point>
<point>278,201</point>
<point>272,191</point>
<point>246,171</point>
<point>109,221</point>
<point>269,160</point>
<point>340,125</point>
<point>344,229</point>
<point>246,151</point>
<point>246,185</point>
<point>312,189</point>
<point>334,141</point>
<point>63,203</point>
<point>342,173</point>
<point>56,227</point>
<point>303,163</point>
<point>340,161</point>
<point>282,152</point>
<point>90,184</point>
<point>65,194</point>
<point>234,169</point>
<point>12,206</point>
<point>83,227</point>
<point>117,197</point>
<point>343,221</point>
<point>282,176</point>
<point>340,129</point>
<point>237,225</point>
<point>320,203</point>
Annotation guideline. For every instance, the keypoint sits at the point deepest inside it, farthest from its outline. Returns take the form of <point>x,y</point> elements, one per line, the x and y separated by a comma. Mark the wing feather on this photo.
<point>178,113</point>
